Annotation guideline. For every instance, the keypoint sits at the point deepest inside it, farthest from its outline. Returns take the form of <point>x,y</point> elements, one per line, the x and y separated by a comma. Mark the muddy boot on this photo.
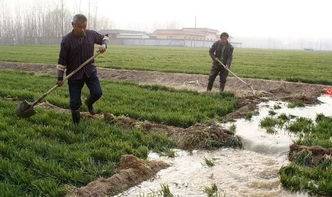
<point>89,104</point>
<point>209,87</point>
<point>75,114</point>
<point>222,87</point>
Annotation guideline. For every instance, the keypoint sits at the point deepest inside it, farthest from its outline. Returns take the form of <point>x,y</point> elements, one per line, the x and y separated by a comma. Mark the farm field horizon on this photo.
<point>289,65</point>
<point>48,155</point>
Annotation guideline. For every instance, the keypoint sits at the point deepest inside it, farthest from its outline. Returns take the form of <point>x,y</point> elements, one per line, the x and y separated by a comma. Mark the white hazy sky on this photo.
<point>251,18</point>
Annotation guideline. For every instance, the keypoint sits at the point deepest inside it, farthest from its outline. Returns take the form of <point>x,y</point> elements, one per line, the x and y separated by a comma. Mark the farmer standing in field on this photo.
<point>223,51</point>
<point>76,47</point>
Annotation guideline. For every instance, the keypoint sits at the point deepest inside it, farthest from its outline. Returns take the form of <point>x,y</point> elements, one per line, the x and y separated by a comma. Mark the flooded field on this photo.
<point>252,171</point>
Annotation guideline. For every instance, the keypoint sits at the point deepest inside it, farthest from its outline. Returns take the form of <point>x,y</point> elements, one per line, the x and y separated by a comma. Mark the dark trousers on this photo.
<point>75,89</point>
<point>215,70</point>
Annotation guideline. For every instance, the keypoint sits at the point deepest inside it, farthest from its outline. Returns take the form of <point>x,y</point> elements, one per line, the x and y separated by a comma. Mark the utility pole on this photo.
<point>62,30</point>
<point>89,10</point>
<point>195,28</point>
<point>95,18</point>
<point>79,6</point>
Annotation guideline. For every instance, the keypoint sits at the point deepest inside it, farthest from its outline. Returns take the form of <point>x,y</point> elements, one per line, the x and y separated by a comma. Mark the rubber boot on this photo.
<point>209,87</point>
<point>222,87</point>
<point>89,104</point>
<point>75,114</point>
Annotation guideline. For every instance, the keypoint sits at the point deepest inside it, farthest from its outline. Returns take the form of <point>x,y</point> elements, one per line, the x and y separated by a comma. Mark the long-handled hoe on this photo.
<point>252,89</point>
<point>25,109</point>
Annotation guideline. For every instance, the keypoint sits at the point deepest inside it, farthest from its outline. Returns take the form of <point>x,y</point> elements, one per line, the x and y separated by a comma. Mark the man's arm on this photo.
<point>102,40</point>
<point>230,57</point>
<point>105,43</point>
<point>62,63</point>
<point>212,51</point>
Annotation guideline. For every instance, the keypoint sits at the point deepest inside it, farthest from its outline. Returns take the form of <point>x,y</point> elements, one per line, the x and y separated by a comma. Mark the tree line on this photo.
<point>43,24</point>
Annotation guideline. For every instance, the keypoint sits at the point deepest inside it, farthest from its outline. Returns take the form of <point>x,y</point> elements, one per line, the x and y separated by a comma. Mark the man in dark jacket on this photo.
<point>76,47</point>
<point>223,51</point>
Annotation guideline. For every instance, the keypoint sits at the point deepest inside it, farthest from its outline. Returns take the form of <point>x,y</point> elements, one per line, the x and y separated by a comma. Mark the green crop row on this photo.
<point>291,65</point>
<point>46,154</point>
<point>307,172</point>
<point>154,103</point>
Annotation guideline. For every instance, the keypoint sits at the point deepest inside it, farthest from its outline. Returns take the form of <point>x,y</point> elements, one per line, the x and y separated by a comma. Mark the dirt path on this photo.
<point>280,89</point>
<point>267,89</point>
<point>132,171</point>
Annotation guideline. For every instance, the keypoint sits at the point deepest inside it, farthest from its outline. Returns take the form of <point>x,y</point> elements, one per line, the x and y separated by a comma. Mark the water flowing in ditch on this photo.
<point>252,171</point>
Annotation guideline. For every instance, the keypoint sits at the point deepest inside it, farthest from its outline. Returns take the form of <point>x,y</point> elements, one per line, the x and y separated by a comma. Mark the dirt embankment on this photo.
<point>314,154</point>
<point>265,89</point>
<point>131,171</point>
<point>200,136</point>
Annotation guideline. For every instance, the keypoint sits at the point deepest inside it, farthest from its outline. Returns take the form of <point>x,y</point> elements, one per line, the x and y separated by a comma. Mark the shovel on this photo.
<point>25,109</point>
<point>252,89</point>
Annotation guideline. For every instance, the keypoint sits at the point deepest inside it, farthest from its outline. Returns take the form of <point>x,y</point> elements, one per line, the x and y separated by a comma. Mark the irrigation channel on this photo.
<point>251,171</point>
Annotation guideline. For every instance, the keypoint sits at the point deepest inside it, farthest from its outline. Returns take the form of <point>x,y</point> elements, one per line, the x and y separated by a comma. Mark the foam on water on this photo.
<point>252,171</point>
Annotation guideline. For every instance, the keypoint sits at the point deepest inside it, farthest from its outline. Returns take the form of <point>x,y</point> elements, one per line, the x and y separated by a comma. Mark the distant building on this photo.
<point>186,34</point>
<point>122,34</point>
<point>185,37</point>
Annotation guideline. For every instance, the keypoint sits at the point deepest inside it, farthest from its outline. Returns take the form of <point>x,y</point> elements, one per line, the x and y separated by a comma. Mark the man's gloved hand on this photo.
<point>59,83</point>
<point>102,48</point>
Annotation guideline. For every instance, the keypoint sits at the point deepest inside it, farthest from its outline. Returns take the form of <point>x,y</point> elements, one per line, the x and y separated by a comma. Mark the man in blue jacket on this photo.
<point>76,47</point>
<point>223,51</point>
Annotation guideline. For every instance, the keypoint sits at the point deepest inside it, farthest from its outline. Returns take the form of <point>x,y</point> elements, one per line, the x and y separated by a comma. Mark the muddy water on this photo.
<point>252,171</point>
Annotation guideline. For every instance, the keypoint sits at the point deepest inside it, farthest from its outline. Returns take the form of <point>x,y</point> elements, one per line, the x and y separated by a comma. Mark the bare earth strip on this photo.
<point>132,174</point>
<point>269,88</point>
<point>131,170</point>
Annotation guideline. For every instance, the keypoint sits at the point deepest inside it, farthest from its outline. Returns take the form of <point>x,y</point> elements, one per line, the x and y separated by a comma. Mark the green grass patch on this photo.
<point>301,174</point>
<point>46,154</point>
<point>232,128</point>
<point>209,162</point>
<point>291,65</point>
<point>319,134</point>
<point>269,122</point>
<point>272,113</point>
<point>163,192</point>
<point>154,103</point>
<point>301,125</point>
<point>249,115</point>
<point>213,191</point>
<point>295,104</point>
<point>275,107</point>
<point>316,181</point>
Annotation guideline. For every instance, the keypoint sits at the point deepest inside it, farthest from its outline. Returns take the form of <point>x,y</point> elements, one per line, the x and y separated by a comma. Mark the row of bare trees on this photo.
<point>42,23</point>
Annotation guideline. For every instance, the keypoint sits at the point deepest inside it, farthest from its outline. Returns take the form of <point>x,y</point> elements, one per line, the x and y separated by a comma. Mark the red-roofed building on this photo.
<point>187,34</point>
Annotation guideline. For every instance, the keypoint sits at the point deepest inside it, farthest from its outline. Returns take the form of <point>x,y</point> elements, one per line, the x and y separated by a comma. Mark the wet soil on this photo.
<point>198,136</point>
<point>132,171</point>
<point>264,89</point>
<point>317,154</point>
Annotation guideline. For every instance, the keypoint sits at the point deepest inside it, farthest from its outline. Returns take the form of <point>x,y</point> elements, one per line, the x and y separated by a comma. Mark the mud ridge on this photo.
<point>265,89</point>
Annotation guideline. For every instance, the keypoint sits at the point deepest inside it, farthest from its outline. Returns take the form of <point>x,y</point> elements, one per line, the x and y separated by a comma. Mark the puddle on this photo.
<point>256,139</point>
<point>252,171</point>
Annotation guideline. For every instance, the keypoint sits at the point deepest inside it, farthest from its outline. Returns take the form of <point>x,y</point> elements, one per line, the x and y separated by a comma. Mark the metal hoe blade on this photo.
<point>25,110</point>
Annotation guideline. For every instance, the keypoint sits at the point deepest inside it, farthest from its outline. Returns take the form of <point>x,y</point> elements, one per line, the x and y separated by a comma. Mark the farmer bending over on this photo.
<point>76,47</point>
<point>223,51</point>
